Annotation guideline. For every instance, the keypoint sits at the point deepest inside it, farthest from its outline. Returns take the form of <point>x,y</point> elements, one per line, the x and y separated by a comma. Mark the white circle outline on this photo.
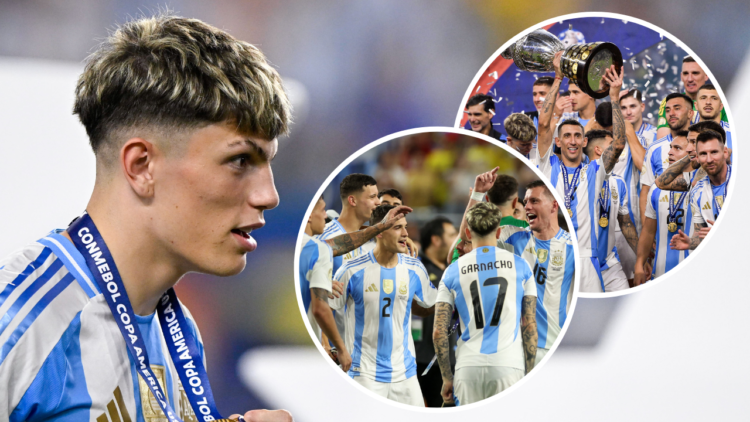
<point>679,43</point>
<point>359,153</point>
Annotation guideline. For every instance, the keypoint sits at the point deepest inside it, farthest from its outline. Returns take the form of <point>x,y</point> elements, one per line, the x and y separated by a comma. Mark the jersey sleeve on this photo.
<point>647,171</point>
<point>696,205</point>
<point>545,162</point>
<point>622,196</point>
<point>342,275</point>
<point>426,293</point>
<point>321,273</point>
<point>653,203</point>
<point>447,284</point>
<point>529,284</point>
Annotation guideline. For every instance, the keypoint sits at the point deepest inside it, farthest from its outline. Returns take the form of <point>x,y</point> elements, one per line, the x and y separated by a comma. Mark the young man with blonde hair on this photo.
<point>183,120</point>
<point>522,135</point>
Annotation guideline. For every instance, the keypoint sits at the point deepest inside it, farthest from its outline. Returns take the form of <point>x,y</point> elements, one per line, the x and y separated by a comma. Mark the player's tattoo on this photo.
<point>528,330</point>
<point>320,294</point>
<point>350,241</point>
<point>441,336</point>
<point>628,230</point>
<point>695,240</point>
<point>672,178</point>
<point>612,153</point>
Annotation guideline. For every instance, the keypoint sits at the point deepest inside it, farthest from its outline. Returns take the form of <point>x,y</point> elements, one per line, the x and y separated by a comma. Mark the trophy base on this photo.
<point>586,65</point>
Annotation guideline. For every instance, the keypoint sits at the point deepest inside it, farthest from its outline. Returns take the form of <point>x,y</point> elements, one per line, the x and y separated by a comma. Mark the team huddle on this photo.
<point>493,295</point>
<point>640,197</point>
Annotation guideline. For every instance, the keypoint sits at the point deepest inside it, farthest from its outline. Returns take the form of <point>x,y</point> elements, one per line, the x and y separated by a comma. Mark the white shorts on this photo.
<point>474,383</point>
<point>627,256</point>
<point>614,279</point>
<point>591,277</point>
<point>540,354</point>
<point>406,391</point>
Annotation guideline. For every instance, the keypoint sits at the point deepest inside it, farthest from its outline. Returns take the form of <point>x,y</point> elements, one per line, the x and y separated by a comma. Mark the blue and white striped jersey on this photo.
<point>486,287</point>
<point>618,205</point>
<point>707,199</point>
<point>583,204</point>
<point>658,209</point>
<point>553,263</point>
<point>630,172</point>
<point>333,229</point>
<point>315,271</point>
<point>378,315</point>
<point>63,357</point>
<point>728,131</point>
<point>656,160</point>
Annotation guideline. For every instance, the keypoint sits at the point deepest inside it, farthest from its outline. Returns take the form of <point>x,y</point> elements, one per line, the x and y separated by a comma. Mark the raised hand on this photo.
<point>484,181</point>
<point>614,80</point>
<point>556,64</point>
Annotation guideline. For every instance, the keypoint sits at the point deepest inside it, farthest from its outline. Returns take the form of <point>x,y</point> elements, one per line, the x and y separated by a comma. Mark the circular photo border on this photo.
<point>575,293</point>
<point>629,19</point>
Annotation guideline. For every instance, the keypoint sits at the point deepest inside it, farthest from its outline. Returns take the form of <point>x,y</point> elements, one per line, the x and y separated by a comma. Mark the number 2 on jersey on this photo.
<point>385,307</point>
<point>475,300</point>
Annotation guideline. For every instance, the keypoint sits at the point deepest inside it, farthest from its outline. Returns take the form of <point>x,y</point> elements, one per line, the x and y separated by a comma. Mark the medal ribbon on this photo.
<point>604,202</point>
<point>180,341</point>
<point>726,186</point>
<point>572,185</point>
<point>674,206</point>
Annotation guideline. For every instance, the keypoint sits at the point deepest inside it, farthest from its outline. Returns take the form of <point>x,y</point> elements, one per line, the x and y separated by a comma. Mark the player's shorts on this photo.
<point>614,279</point>
<point>591,277</point>
<point>627,256</point>
<point>474,383</point>
<point>406,391</point>
<point>540,354</point>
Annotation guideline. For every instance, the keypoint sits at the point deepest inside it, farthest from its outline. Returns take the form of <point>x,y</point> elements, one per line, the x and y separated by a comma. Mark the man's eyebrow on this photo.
<point>254,146</point>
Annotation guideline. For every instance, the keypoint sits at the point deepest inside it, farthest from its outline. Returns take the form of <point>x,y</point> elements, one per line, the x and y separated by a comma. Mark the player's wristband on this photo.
<point>478,196</point>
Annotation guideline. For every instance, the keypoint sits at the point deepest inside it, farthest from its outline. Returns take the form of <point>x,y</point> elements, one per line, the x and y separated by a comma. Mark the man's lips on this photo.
<point>242,235</point>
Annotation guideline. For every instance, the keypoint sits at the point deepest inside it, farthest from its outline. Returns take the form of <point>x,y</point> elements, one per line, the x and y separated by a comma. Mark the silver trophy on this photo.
<point>583,63</point>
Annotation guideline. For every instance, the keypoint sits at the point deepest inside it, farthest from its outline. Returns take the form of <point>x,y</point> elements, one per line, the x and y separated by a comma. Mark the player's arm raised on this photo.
<point>612,153</point>
<point>440,338</point>
<point>528,330</point>
<point>672,178</point>
<point>482,183</point>
<point>323,315</point>
<point>351,241</point>
<point>546,130</point>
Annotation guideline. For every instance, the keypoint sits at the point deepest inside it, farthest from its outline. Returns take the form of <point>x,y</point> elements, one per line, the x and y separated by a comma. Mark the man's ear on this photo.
<point>137,160</point>
<point>351,201</point>
<point>468,234</point>
<point>514,202</point>
<point>497,233</point>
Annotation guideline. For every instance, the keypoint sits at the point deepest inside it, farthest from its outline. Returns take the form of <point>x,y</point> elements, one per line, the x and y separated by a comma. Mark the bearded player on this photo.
<point>487,286</point>
<point>183,120</point>
<point>378,293</point>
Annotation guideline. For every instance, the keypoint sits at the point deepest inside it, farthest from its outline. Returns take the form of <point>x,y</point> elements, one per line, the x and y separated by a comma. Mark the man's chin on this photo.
<point>227,268</point>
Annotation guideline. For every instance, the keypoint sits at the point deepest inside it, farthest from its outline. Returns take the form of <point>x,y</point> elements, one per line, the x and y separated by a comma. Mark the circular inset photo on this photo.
<point>435,268</point>
<point>629,129</point>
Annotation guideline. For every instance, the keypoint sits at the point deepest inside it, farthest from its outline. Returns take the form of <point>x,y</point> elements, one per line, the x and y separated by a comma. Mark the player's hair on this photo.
<point>678,95</point>
<point>379,213</point>
<point>503,189</point>
<point>481,99</point>
<point>564,94</point>
<point>701,127</point>
<point>633,93</point>
<point>709,135</point>
<point>573,122</point>
<point>688,59</point>
<point>539,183</point>
<point>681,134</point>
<point>603,114</point>
<point>434,227</point>
<point>354,183</point>
<point>520,127</point>
<point>390,192</point>
<point>594,138</point>
<point>171,74</point>
<point>483,218</point>
<point>572,82</point>
<point>544,80</point>
<point>707,86</point>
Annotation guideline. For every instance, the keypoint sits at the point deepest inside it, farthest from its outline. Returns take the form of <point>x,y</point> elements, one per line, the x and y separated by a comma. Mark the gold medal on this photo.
<point>570,213</point>
<point>603,222</point>
<point>672,227</point>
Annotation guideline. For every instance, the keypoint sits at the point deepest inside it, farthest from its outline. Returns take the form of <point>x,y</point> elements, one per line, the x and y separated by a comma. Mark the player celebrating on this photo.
<point>580,184</point>
<point>613,214</point>
<point>632,107</point>
<point>485,287</point>
<point>183,120</point>
<point>379,288</point>
<point>709,193</point>
<point>481,109</point>
<point>549,251</point>
<point>710,108</point>
<point>316,266</point>
<point>666,212</point>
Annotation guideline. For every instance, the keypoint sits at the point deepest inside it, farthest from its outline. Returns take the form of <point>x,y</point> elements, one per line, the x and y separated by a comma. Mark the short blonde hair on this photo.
<point>483,218</point>
<point>520,127</point>
<point>173,74</point>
